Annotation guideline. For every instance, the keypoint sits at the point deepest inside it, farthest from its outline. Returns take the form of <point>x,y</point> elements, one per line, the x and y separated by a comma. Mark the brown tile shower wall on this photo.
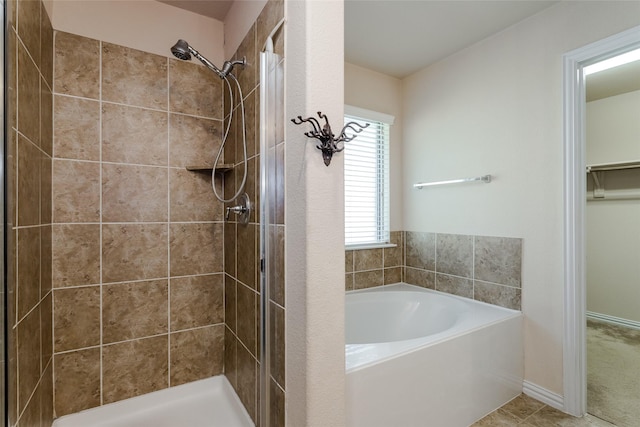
<point>241,246</point>
<point>29,50</point>
<point>138,298</point>
<point>486,269</point>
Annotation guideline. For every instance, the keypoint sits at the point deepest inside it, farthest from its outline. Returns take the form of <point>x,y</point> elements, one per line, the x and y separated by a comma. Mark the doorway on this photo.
<point>576,161</point>
<point>612,143</point>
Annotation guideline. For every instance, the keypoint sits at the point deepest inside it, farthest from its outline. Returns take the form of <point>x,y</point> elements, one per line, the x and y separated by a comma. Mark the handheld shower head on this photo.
<point>181,50</point>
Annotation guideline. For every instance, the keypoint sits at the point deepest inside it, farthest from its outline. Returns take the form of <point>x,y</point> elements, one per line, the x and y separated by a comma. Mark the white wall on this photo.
<point>613,226</point>
<point>613,258</point>
<point>378,92</point>
<point>314,210</point>
<point>496,107</point>
<point>237,23</point>
<point>613,129</point>
<point>145,25</point>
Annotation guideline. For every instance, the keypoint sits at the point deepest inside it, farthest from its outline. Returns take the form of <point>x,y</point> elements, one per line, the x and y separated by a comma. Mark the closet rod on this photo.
<point>613,166</point>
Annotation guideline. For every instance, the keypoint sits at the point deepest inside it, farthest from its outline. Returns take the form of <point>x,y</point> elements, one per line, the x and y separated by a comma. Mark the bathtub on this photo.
<point>417,357</point>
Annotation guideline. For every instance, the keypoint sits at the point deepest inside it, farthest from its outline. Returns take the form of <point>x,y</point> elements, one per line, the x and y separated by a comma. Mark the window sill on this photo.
<point>369,246</point>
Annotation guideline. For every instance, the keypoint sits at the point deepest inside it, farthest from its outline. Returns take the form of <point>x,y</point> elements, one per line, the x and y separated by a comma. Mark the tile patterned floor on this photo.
<point>525,411</point>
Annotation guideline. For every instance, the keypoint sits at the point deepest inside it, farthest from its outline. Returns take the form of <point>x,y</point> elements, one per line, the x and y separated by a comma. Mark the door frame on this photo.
<point>575,285</point>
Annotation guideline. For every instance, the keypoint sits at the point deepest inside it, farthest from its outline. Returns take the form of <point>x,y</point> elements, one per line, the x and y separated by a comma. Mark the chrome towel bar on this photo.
<point>485,178</point>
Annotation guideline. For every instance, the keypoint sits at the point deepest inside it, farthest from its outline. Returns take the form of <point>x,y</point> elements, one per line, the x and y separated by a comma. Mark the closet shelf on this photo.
<point>613,166</point>
<point>597,173</point>
<point>222,168</point>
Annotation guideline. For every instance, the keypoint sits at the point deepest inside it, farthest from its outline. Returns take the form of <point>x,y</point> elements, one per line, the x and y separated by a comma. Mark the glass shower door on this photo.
<point>271,231</point>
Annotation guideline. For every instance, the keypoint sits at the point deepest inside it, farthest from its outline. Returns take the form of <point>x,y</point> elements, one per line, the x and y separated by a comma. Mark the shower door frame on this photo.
<point>271,130</point>
<point>3,245</point>
<point>574,401</point>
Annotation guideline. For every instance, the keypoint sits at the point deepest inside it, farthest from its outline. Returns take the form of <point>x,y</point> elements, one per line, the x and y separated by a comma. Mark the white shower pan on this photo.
<point>205,403</point>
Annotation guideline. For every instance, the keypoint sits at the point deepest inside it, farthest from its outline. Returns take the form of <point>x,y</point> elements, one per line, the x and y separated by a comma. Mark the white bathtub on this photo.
<point>416,357</point>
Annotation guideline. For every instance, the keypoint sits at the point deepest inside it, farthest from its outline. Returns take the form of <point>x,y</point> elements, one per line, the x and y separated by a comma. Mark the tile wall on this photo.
<point>137,241</point>
<point>241,245</point>
<point>29,50</point>
<point>486,269</point>
<point>366,268</point>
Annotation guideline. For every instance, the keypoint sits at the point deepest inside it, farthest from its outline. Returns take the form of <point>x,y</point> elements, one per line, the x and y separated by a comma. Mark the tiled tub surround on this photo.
<point>241,241</point>
<point>365,268</point>
<point>487,269</point>
<point>29,50</point>
<point>138,298</point>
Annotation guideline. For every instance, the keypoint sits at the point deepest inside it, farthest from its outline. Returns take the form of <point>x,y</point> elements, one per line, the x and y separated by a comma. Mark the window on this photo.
<point>366,179</point>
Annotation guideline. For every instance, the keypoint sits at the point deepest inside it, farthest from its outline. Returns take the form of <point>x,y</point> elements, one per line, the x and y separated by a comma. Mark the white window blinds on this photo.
<point>366,184</point>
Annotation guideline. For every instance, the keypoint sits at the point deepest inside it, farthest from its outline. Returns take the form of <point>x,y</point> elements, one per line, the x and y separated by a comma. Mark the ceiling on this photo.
<point>216,9</point>
<point>400,37</point>
<point>614,81</point>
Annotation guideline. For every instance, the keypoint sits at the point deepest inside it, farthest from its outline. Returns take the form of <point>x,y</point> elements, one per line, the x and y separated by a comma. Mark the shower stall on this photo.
<point>145,229</point>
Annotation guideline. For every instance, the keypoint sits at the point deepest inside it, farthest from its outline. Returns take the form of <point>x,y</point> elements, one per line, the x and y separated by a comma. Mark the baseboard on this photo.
<point>543,395</point>
<point>612,319</point>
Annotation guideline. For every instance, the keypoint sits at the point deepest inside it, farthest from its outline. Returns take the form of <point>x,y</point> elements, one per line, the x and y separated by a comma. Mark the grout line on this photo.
<point>135,281</point>
<point>281,306</point>
<point>17,206</point>
<point>497,284</point>
<point>374,269</point>
<point>31,310</point>
<point>27,227</point>
<point>84,98</point>
<point>53,151</point>
<point>121,104</point>
<point>196,328</point>
<point>102,162</point>
<point>435,262</point>
<point>235,303</point>
<point>101,218</point>
<point>533,413</point>
<point>168,225</point>
<point>473,267</point>
<point>247,349</point>
<point>127,223</point>
<point>97,346</point>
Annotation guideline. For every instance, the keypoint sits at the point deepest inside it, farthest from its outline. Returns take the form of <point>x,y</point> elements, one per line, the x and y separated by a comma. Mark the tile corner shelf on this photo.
<point>222,168</point>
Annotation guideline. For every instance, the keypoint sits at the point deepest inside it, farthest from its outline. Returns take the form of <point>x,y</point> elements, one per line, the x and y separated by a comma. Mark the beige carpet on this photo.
<point>613,373</point>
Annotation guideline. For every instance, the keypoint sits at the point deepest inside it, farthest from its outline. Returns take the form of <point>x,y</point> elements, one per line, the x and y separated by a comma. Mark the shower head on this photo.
<point>182,50</point>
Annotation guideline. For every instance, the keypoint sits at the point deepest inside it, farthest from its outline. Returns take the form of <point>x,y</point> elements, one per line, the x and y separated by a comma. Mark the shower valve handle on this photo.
<point>242,209</point>
<point>238,210</point>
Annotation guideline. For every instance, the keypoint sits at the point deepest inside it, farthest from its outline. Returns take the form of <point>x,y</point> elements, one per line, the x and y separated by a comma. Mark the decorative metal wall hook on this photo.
<point>329,144</point>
